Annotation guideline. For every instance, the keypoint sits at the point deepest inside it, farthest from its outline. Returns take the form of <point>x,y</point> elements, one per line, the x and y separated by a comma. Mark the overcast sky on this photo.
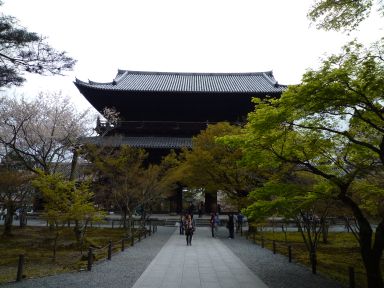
<point>179,36</point>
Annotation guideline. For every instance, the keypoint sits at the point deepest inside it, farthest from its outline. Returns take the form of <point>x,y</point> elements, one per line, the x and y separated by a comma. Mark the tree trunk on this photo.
<point>74,163</point>
<point>124,218</point>
<point>130,223</point>
<point>324,232</point>
<point>23,218</point>
<point>372,268</point>
<point>371,255</point>
<point>77,231</point>
<point>8,220</point>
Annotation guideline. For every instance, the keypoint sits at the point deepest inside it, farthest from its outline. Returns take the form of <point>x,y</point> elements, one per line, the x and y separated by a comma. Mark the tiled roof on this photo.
<point>258,82</point>
<point>141,142</point>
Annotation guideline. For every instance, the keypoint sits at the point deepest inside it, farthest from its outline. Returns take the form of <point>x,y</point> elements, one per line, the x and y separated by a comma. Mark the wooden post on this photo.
<point>351,272</point>
<point>262,241</point>
<point>289,253</point>
<point>274,246</point>
<point>254,237</point>
<point>122,244</point>
<point>90,259</point>
<point>110,250</point>
<point>20,268</point>
<point>132,240</point>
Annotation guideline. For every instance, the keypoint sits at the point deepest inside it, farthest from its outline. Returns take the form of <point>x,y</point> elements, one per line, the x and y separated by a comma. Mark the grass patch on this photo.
<point>36,243</point>
<point>333,259</point>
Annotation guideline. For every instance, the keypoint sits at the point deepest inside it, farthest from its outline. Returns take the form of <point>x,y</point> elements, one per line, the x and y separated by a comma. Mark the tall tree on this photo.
<point>297,195</point>
<point>42,132</point>
<point>15,192</point>
<point>331,125</point>
<point>24,51</point>
<point>65,201</point>
<point>215,166</point>
<point>342,14</point>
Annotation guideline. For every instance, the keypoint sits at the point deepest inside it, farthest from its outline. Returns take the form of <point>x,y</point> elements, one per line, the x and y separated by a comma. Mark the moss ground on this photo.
<point>333,258</point>
<point>36,243</point>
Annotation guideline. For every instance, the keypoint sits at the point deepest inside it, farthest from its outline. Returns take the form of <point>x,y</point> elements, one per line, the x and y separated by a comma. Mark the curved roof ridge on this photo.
<point>90,82</point>
<point>119,76</point>
<point>122,72</point>
<point>270,78</point>
<point>98,83</point>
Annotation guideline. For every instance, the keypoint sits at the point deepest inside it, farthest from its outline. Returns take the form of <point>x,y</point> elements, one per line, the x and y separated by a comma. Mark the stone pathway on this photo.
<point>208,263</point>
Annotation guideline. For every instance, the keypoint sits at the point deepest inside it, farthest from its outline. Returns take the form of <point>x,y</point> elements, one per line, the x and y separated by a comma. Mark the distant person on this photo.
<point>231,226</point>
<point>191,209</point>
<point>218,208</point>
<point>213,224</point>
<point>189,229</point>
<point>201,208</point>
<point>181,224</point>
<point>239,222</point>
<point>217,219</point>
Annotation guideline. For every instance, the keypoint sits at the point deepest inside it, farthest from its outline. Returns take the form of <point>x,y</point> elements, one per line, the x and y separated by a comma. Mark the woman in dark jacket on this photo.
<point>189,227</point>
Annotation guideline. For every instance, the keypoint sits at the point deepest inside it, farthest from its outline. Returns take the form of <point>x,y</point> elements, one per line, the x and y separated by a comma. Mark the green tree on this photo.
<point>66,201</point>
<point>331,125</point>
<point>24,51</point>
<point>15,192</point>
<point>342,14</point>
<point>121,173</point>
<point>215,166</point>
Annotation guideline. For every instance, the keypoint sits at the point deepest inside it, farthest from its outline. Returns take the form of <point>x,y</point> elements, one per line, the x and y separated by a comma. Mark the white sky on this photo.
<point>179,36</point>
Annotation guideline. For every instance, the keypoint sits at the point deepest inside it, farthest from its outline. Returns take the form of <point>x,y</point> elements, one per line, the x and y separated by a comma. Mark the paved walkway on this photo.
<point>208,263</point>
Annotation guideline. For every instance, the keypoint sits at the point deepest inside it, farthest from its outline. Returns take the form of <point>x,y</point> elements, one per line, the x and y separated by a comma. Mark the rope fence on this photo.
<point>354,278</point>
<point>106,252</point>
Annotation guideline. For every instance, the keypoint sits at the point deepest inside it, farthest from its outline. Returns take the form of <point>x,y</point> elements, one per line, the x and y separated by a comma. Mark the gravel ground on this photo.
<point>274,270</point>
<point>122,271</point>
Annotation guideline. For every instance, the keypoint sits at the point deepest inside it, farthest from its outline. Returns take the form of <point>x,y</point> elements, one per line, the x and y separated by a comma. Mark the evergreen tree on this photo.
<point>25,51</point>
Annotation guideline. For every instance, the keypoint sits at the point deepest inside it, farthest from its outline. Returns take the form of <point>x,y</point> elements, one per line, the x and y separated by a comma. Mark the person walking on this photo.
<point>181,224</point>
<point>217,220</point>
<point>212,221</point>
<point>231,226</point>
<point>239,222</point>
<point>189,229</point>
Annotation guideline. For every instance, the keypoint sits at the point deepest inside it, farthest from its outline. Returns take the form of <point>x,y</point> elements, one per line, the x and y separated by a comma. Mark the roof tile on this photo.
<point>258,82</point>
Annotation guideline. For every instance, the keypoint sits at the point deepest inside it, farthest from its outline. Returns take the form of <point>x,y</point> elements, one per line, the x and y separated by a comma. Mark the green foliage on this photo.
<point>214,165</point>
<point>121,174</point>
<point>341,14</point>
<point>65,200</point>
<point>331,125</point>
<point>21,50</point>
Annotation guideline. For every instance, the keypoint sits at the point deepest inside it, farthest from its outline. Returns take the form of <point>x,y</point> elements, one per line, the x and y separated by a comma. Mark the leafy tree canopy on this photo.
<point>331,125</point>
<point>342,14</point>
<point>214,165</point>
<point>25,51</point>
